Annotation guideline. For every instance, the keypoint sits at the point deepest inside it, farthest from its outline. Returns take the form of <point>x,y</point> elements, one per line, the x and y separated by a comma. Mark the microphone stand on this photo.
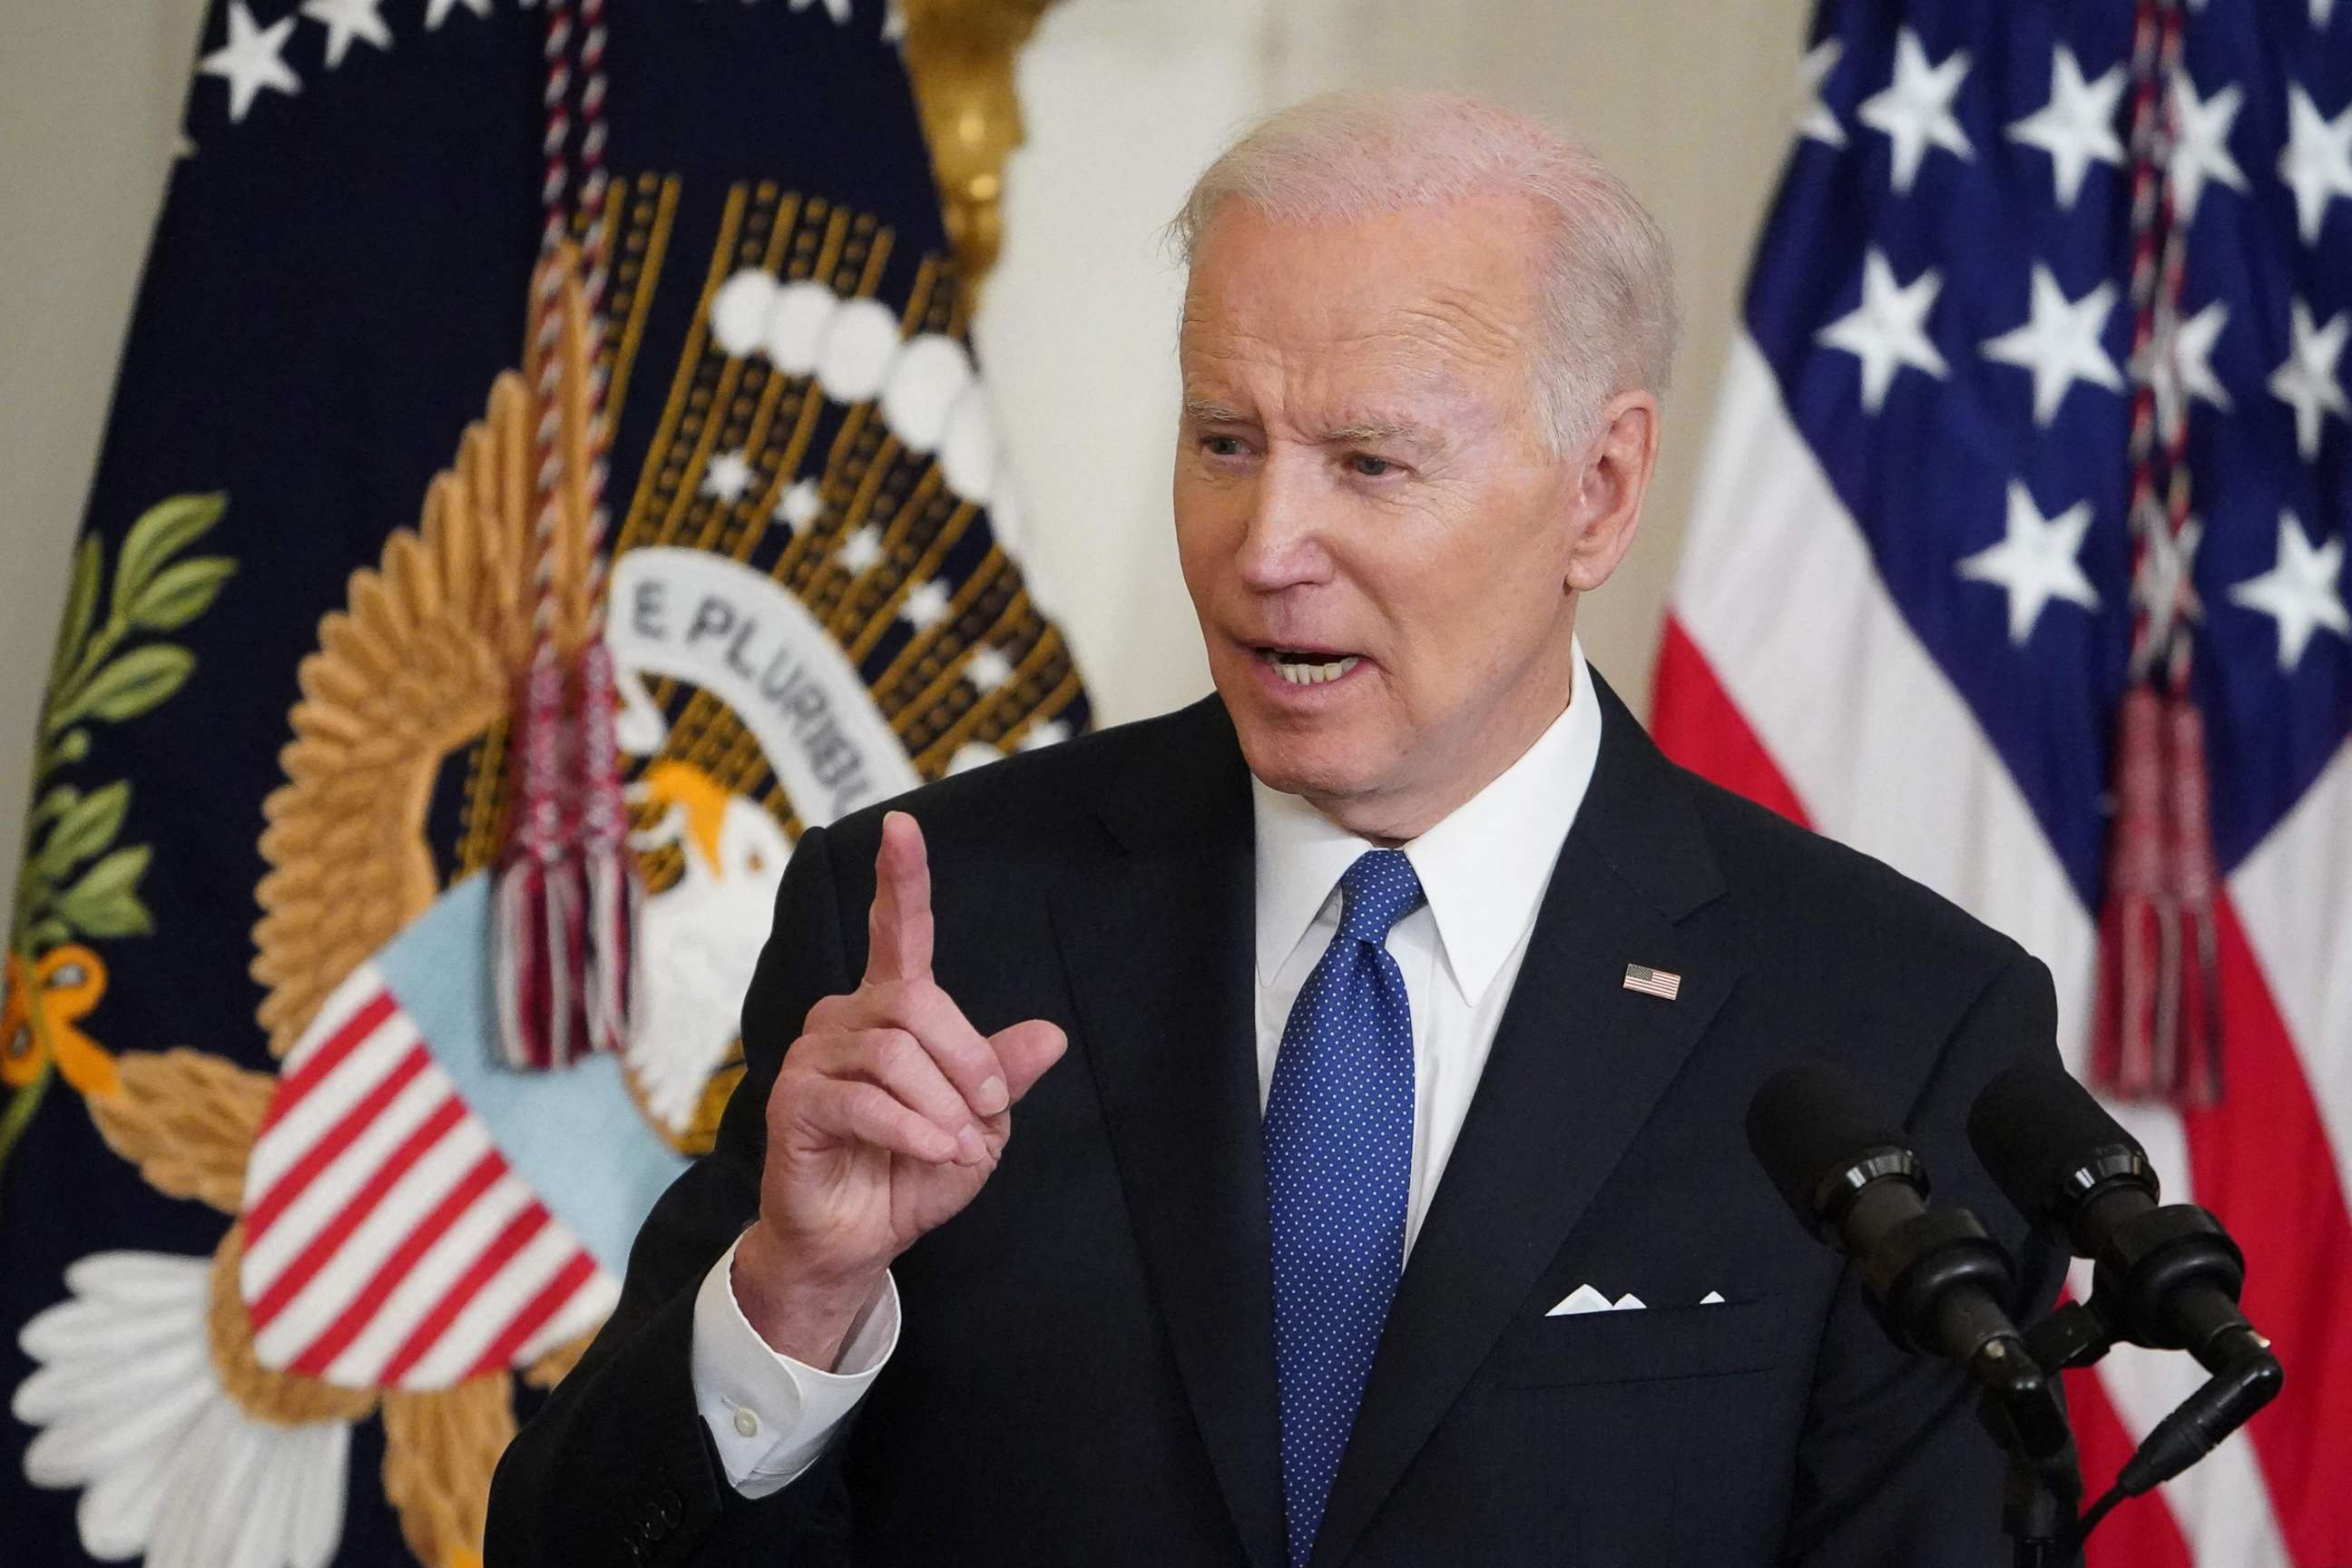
<point>2024,1407</point>
<point>2045,1484</point>
<point>2042,1493</point>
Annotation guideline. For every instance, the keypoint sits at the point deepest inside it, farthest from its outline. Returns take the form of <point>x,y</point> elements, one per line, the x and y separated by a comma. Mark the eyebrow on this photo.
<point>1372,432</point>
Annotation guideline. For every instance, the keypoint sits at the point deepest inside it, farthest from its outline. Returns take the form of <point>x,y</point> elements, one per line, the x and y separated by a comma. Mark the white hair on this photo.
<point>1605,276</point>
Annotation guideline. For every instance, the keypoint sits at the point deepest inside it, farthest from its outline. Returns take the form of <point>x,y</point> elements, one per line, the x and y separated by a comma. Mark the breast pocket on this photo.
<point>1638,1345</point>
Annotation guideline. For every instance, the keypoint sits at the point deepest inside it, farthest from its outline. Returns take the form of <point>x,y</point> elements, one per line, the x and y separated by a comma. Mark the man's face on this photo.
<point>1376,538</point>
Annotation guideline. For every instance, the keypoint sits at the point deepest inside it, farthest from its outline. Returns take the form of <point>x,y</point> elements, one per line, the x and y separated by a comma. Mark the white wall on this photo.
<point>90,111</point>
<point>1126,99</point>
<point>1690,100</point>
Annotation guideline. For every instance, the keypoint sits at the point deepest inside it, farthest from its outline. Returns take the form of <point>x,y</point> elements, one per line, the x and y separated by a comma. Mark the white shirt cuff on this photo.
<point>771,1415</point>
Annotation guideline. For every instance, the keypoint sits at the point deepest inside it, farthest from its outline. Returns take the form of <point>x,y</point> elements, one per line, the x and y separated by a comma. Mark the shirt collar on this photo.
<point>1484,866</point>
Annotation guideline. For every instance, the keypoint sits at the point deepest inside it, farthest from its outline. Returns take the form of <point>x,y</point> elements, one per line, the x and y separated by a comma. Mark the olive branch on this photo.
<point>74,879</point>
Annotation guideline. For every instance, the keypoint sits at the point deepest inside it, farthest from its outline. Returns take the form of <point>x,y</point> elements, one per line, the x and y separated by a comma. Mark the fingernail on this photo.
<point>969,1145</point>
<point>993,1097</point>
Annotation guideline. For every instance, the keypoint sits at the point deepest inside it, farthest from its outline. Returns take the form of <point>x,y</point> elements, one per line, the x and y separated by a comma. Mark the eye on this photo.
<point>1223,447</point>
<point>1363,465</point>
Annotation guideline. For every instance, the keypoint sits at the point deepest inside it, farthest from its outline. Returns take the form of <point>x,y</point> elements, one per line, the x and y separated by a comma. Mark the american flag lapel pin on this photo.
<point>1651,982</point>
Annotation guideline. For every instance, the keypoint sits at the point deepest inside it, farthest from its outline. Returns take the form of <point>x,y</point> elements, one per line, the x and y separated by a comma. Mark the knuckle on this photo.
<point>896,1050</point>
<point>808,1055</point>
<point>803,1061</point>
<point>885,1115</point>
<point>922,995</point>
<point>871,1005</point>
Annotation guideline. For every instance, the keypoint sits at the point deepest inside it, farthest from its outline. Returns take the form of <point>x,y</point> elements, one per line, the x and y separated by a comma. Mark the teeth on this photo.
<point>1300,672</point>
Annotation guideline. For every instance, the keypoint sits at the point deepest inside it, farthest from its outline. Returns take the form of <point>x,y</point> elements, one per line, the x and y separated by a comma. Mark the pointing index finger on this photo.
<point>898,928</point>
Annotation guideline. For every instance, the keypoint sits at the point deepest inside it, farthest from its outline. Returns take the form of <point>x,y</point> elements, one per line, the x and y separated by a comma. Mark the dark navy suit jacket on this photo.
<point>1085,1371</point>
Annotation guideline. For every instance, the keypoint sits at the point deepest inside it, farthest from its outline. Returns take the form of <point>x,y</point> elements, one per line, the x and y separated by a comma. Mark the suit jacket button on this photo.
<point>673,1508</point>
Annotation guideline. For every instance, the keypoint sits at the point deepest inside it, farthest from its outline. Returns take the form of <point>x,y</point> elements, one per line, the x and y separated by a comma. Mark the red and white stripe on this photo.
<point>387,1243</point>
<point>1653,981</point>
<point>1788,673</point>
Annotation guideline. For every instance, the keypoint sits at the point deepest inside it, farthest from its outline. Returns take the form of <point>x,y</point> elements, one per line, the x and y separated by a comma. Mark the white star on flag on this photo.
<point>799,505</point>
<point>345,21</point>
<point>251,60</point>
<point>1916,109</point>
<point>2036,562</point>
<point>2307,382</point>
<point>2299,593</point>
<point>861,549</point>
<point>838,9</point>
<point>728,476</point>
<point>437,11</point>
<point>1816,122</point>
<point>2166,589</point>
<point>2076,126</point>
<point>2201,149</point>
<point>2060,343</point>
<point>2322,12</point>
<point>2188,371</point>
<point>987,669</point>
<point>1888,330</point>
<point>927,605</point>
<point>2317,162</point>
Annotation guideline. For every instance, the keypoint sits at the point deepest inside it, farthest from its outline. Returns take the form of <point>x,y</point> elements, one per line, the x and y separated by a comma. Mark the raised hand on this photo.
<point>889,1113</point>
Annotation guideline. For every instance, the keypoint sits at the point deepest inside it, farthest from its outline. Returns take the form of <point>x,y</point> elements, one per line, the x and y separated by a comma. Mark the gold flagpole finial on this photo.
<point>960,54</point>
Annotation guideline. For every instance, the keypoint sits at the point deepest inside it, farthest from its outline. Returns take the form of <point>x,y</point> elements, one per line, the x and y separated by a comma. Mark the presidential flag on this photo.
<point>2019,563</point>
<point>287,1248</point>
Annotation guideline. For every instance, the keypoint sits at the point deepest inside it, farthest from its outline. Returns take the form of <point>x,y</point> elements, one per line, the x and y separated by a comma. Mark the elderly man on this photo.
<point>1392,1205</point>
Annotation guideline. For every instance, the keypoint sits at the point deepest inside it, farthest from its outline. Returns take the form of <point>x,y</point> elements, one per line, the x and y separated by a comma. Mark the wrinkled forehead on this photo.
<point>1440,297</point>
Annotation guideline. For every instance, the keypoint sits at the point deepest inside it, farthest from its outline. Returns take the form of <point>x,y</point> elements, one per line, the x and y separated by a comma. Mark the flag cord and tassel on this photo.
<point>2156,1030</point>
<point>566,897</point>
<point>613,887</point>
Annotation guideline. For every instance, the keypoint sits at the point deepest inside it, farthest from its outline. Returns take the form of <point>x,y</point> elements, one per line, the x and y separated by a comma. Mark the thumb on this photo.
<point>1026,1050</point>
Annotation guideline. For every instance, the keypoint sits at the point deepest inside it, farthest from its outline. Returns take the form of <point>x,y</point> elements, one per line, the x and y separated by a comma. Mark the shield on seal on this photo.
<point>415,1218</point>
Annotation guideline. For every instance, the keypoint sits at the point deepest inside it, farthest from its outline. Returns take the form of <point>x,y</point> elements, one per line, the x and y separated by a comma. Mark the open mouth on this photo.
<point>1308,668</point>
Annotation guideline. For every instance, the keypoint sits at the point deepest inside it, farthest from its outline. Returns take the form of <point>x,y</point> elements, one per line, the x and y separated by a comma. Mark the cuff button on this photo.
<point>747,1424</point>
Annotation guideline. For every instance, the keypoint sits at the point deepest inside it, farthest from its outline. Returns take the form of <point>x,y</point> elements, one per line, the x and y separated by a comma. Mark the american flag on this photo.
<point>2037,405</point>
<point>1651,981</point>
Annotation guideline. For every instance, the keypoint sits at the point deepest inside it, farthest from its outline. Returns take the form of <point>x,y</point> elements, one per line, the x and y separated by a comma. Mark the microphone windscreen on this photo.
<point>2033,1124</point>
<point>1812,1120</point>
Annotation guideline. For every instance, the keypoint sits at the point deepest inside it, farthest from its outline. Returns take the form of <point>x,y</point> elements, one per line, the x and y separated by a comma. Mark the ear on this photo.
<point>1610,492</point>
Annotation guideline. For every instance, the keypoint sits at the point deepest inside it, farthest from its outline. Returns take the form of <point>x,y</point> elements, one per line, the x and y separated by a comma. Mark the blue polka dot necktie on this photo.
<point>1339,1163</point>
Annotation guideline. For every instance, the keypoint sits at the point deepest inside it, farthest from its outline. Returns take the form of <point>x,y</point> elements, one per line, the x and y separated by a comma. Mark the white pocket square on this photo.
<point>1585,1298</point>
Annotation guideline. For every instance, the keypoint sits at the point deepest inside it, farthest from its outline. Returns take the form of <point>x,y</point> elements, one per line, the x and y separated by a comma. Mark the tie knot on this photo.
<point>1376,892</point>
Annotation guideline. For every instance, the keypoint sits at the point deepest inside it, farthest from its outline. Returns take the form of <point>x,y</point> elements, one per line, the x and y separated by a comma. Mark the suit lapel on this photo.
<point>1577,1065</point>
<point>1156,942</point>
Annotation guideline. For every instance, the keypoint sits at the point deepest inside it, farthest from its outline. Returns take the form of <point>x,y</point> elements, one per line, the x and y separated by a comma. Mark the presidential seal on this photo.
<point>810,608</point>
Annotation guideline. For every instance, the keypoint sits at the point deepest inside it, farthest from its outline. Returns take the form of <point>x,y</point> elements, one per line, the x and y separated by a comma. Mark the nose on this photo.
<point>1283,545</point>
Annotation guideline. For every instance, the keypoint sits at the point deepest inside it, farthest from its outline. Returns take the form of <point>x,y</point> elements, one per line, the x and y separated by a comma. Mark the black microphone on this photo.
<point>1937,1280</point>
<point>2166,1277</point>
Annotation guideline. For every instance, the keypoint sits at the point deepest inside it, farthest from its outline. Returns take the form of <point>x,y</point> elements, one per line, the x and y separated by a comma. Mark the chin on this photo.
<point>1327,744</point>
<point>1327,764</point>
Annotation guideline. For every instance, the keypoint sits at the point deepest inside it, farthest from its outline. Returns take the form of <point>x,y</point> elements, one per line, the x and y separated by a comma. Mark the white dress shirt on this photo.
<point>1484,868</point>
